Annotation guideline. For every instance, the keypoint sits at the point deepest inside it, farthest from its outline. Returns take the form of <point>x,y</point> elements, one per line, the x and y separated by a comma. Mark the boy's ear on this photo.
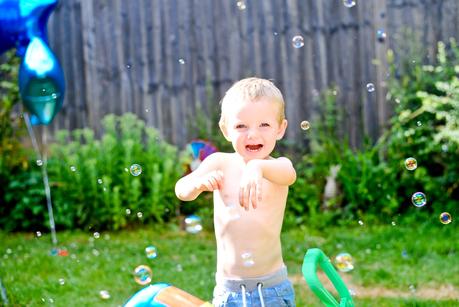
<point>282,128</point>
<point>224,131</point>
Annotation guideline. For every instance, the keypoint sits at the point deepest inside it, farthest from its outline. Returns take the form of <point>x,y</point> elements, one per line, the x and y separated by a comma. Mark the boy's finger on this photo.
<point>253,195</point>
<point>259,191</point>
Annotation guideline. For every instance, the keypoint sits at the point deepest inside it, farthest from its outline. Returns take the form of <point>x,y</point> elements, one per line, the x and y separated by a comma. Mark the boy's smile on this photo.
<point>253,127</point>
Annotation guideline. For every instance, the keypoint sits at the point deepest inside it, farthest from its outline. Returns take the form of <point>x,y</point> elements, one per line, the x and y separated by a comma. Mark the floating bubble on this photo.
<point>39,162</point>
<point>419,123</point>
<point>193,224</point>
<point>445,218</point>
<point>419,199</point>
<point>73,168</point>
<point>370,87</point>
<point>361,223</point>
<point>104,294</point>
<point>241,5</point>
<point>128,211</point>
<point>139,215</point>
<point>247,259</point>
<point>179,267</point>
<point>38,234</point>
<point>142,274</point>
<point>128,66</point>
<point>61,281</point>
<point>411,164</point>
<point>298,41</point>
<point>349,3</point>
<point>96,235</point>
<point>381,36</point>
<point>99,181</point>
<point>150,251</point>
<point>344,262</point>
<point>305,125</point>
<point>135,170</point>
<point>393,223</point>
<point>181,61</point>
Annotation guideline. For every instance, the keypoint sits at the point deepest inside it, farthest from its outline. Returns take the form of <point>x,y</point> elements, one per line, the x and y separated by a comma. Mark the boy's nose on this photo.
<point>252,133</point>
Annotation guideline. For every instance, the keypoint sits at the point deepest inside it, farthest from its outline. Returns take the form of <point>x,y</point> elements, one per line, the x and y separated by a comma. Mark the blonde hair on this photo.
<point>250,89</point>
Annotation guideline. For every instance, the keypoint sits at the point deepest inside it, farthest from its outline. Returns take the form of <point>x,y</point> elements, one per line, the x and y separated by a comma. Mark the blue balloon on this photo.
<point>41,79</point>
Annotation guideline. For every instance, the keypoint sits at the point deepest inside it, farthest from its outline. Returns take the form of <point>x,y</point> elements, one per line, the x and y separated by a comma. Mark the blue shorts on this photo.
<point>276,291</point>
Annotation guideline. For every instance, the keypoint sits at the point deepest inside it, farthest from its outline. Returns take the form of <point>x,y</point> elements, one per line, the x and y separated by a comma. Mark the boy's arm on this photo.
<point>207,177</point>
<point>279,171</point>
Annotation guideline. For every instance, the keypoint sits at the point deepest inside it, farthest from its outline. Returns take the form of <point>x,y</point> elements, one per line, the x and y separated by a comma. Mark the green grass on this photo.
<point>31,275</point>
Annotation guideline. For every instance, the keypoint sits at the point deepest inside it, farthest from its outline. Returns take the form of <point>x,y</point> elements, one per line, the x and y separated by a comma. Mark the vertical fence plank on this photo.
<point>123,56</point>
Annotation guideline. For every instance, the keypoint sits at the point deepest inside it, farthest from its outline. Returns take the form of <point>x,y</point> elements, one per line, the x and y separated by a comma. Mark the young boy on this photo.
<point>250,192</point>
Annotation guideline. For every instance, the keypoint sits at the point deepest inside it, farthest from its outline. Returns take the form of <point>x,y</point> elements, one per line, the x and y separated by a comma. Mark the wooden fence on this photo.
<point>167,60</point>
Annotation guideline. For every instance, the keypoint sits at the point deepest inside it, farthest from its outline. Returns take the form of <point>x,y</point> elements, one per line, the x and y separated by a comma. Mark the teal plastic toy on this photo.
<point>315,257</point>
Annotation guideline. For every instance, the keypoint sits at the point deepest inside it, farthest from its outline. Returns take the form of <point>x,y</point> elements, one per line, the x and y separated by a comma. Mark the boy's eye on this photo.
<point>240,126</point>
<point>264,125</point>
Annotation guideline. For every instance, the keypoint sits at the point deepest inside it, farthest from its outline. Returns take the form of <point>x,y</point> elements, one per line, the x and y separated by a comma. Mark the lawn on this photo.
<point>395,265</point>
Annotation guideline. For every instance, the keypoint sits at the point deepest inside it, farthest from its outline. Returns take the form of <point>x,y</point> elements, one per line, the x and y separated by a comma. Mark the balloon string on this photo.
<point>3,292</point>
<point>44,174</point>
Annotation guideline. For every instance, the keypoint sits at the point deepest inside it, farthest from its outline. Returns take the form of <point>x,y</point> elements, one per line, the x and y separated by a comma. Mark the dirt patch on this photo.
<point>444,292</point>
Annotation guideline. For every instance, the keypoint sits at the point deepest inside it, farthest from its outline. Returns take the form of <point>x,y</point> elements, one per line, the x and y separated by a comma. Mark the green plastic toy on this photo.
<point>314,257</point>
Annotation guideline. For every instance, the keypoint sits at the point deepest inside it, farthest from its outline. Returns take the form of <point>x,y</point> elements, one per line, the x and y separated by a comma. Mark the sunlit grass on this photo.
<point>405,259</point>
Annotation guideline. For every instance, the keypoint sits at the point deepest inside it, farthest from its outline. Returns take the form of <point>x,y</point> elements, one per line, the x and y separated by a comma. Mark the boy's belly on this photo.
<point>248,245</point>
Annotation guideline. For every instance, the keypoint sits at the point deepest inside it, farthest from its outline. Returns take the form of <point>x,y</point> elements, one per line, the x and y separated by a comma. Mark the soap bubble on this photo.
<point>181,61</point>
<point>344,262</point>
<point>73,168</point>
<point>305,125</point>
<point>241,5</point>
<point>193,224</point>
<point>349,3</point>
<point>39,162</point>
<point>419,199</point>
<point>150,251</point>
<point>381,35</point>
<point>411,164</point>
<point>142,274</point>
<point>135,170</point>
<point>104,294</point>
<point>298,41</point>
<point>370,87</point>
<point>445,218</point>
<point>247,259</point>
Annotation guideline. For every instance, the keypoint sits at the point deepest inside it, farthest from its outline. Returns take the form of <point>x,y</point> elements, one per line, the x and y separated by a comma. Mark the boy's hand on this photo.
<point>251,185</point>
<point>210,182</point>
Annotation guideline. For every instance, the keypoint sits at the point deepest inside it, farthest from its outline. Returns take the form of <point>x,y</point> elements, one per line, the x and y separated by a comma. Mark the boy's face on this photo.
<point>253,128</point>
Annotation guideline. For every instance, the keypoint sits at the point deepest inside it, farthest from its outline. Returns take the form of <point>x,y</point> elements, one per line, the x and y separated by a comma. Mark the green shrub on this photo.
<point>373,180</point>
<point>92,185</point>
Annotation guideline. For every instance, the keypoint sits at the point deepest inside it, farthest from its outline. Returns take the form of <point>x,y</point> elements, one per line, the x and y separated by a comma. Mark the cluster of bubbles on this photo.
<point>297,41</point>
<point>193,224</point>
<point>344,262</point>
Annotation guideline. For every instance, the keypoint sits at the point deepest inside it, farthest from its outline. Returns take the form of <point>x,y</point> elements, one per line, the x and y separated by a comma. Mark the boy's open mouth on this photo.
<point>253,147</point>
